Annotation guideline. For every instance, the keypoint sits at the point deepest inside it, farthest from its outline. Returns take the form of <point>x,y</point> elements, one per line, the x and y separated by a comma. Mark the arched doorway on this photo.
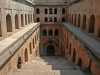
<point>19,63</point>
<point>84,22</point>
<point>80,62</point>
<point>16,22</point>
<point>22,20</point>
<point>79,20</point>
<point>50,51</point>
<point>25,19</point>
<point>92,24</point>
<point>9,23</point>
<point>99,33</point>
<point>26,55</point>
<point>74,55</point>
<point>75,20</point>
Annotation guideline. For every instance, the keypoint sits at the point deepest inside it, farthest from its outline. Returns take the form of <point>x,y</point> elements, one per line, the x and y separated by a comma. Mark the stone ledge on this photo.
<point>9,45</point>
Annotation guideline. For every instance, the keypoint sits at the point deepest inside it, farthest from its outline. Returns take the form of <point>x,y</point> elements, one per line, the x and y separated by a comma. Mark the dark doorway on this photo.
<point>50,50</point>
<point>74,55</point>
<point>99,33</point>
<point>92,24</point>
<point>26,55</point>
<point>84,22</point>
<point>19,63</point>
<point>80,62</point>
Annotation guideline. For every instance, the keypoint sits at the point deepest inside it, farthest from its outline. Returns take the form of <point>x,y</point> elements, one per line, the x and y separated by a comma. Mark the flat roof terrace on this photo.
<point>87,40</point>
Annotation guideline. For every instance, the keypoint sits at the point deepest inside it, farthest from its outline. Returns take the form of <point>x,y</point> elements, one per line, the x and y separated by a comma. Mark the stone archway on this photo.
<point>26,55</point>
<point>80,62</point>
<point>50,50</point>
<point>74,55</point>
<point>19,63</point>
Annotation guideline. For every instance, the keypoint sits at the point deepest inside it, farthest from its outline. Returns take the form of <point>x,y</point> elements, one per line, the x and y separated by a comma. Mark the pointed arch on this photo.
<point>9,23</point>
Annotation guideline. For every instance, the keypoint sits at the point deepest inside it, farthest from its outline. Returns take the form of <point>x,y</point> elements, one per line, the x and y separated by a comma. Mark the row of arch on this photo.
<point>25,20</point>
<point>26,52</point>
<point>50,32</point>
<point>28,19</point>
<point>71,53</point>
<point>76,20</point>
<point>50,11</point>
<point>50,19</point>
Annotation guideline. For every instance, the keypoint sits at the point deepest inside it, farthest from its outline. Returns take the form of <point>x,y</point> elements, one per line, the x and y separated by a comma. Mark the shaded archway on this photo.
<point>22,20</point>
<point>50,32</point>
<point>46,11</point>
<point>16,22</point>
<point>92,24</point>
<point>72,19</point>
<point>30,47</point>
<point>55,19</point>
<point>75,20</point>
<point>70,48</point>
<point>28,18</point>
<point>56,32</point>
<point>99,32</point>
<point>74,55</point>
<point>84,22</point>
<point>55,11</point>
<point>25,19</point>
<point>19,63</point>
<point>80,62</point>
<point>44,32</point>
<point>79,20</point>
<point>26,55</point>
<point>0,30</point>
<point>37,11</point>
<point>50,51</point>
<point>46,19</point>
<point>9,23</point>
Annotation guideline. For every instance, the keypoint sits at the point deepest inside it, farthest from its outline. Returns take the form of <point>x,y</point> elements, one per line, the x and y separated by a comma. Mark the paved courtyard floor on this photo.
<point>48,66</point>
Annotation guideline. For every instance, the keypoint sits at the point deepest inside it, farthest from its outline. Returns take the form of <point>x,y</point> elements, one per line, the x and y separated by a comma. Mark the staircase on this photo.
<point>48,66</point>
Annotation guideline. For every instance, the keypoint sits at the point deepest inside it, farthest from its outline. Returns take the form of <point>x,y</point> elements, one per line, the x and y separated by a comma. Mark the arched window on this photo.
<point>9,23</point>
<point>33,43</point>
<point>55,11</point>
<point>50,11</point>
<point>99,32</point>
<point>74,55</point>
<point>75,20</point>
<point>63,19</point>
<point>92,24</point>
<point>84,22</point>
<point>80,62</point>
<point>79,20</point>
<point>30,47</point>
<point>22,20</point>
<point>50,19</point>
<point>67,43</point>
<point>70,48</point>
<point>50,33</point>
<point>0,25</point>
<point>46,19</point>
<point>63,11</point>
<point>19,63</point>
<point>44,32</point>
<point>26,55</point>
<point>25,19</point>
<point>72,19</point>
<point>37,11</point>
<point>46,11</point>
<point>38,19</point>
<point>56,32</point>
<point>55,19</point>
<point>16,22</point>
<point>28,18</point>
